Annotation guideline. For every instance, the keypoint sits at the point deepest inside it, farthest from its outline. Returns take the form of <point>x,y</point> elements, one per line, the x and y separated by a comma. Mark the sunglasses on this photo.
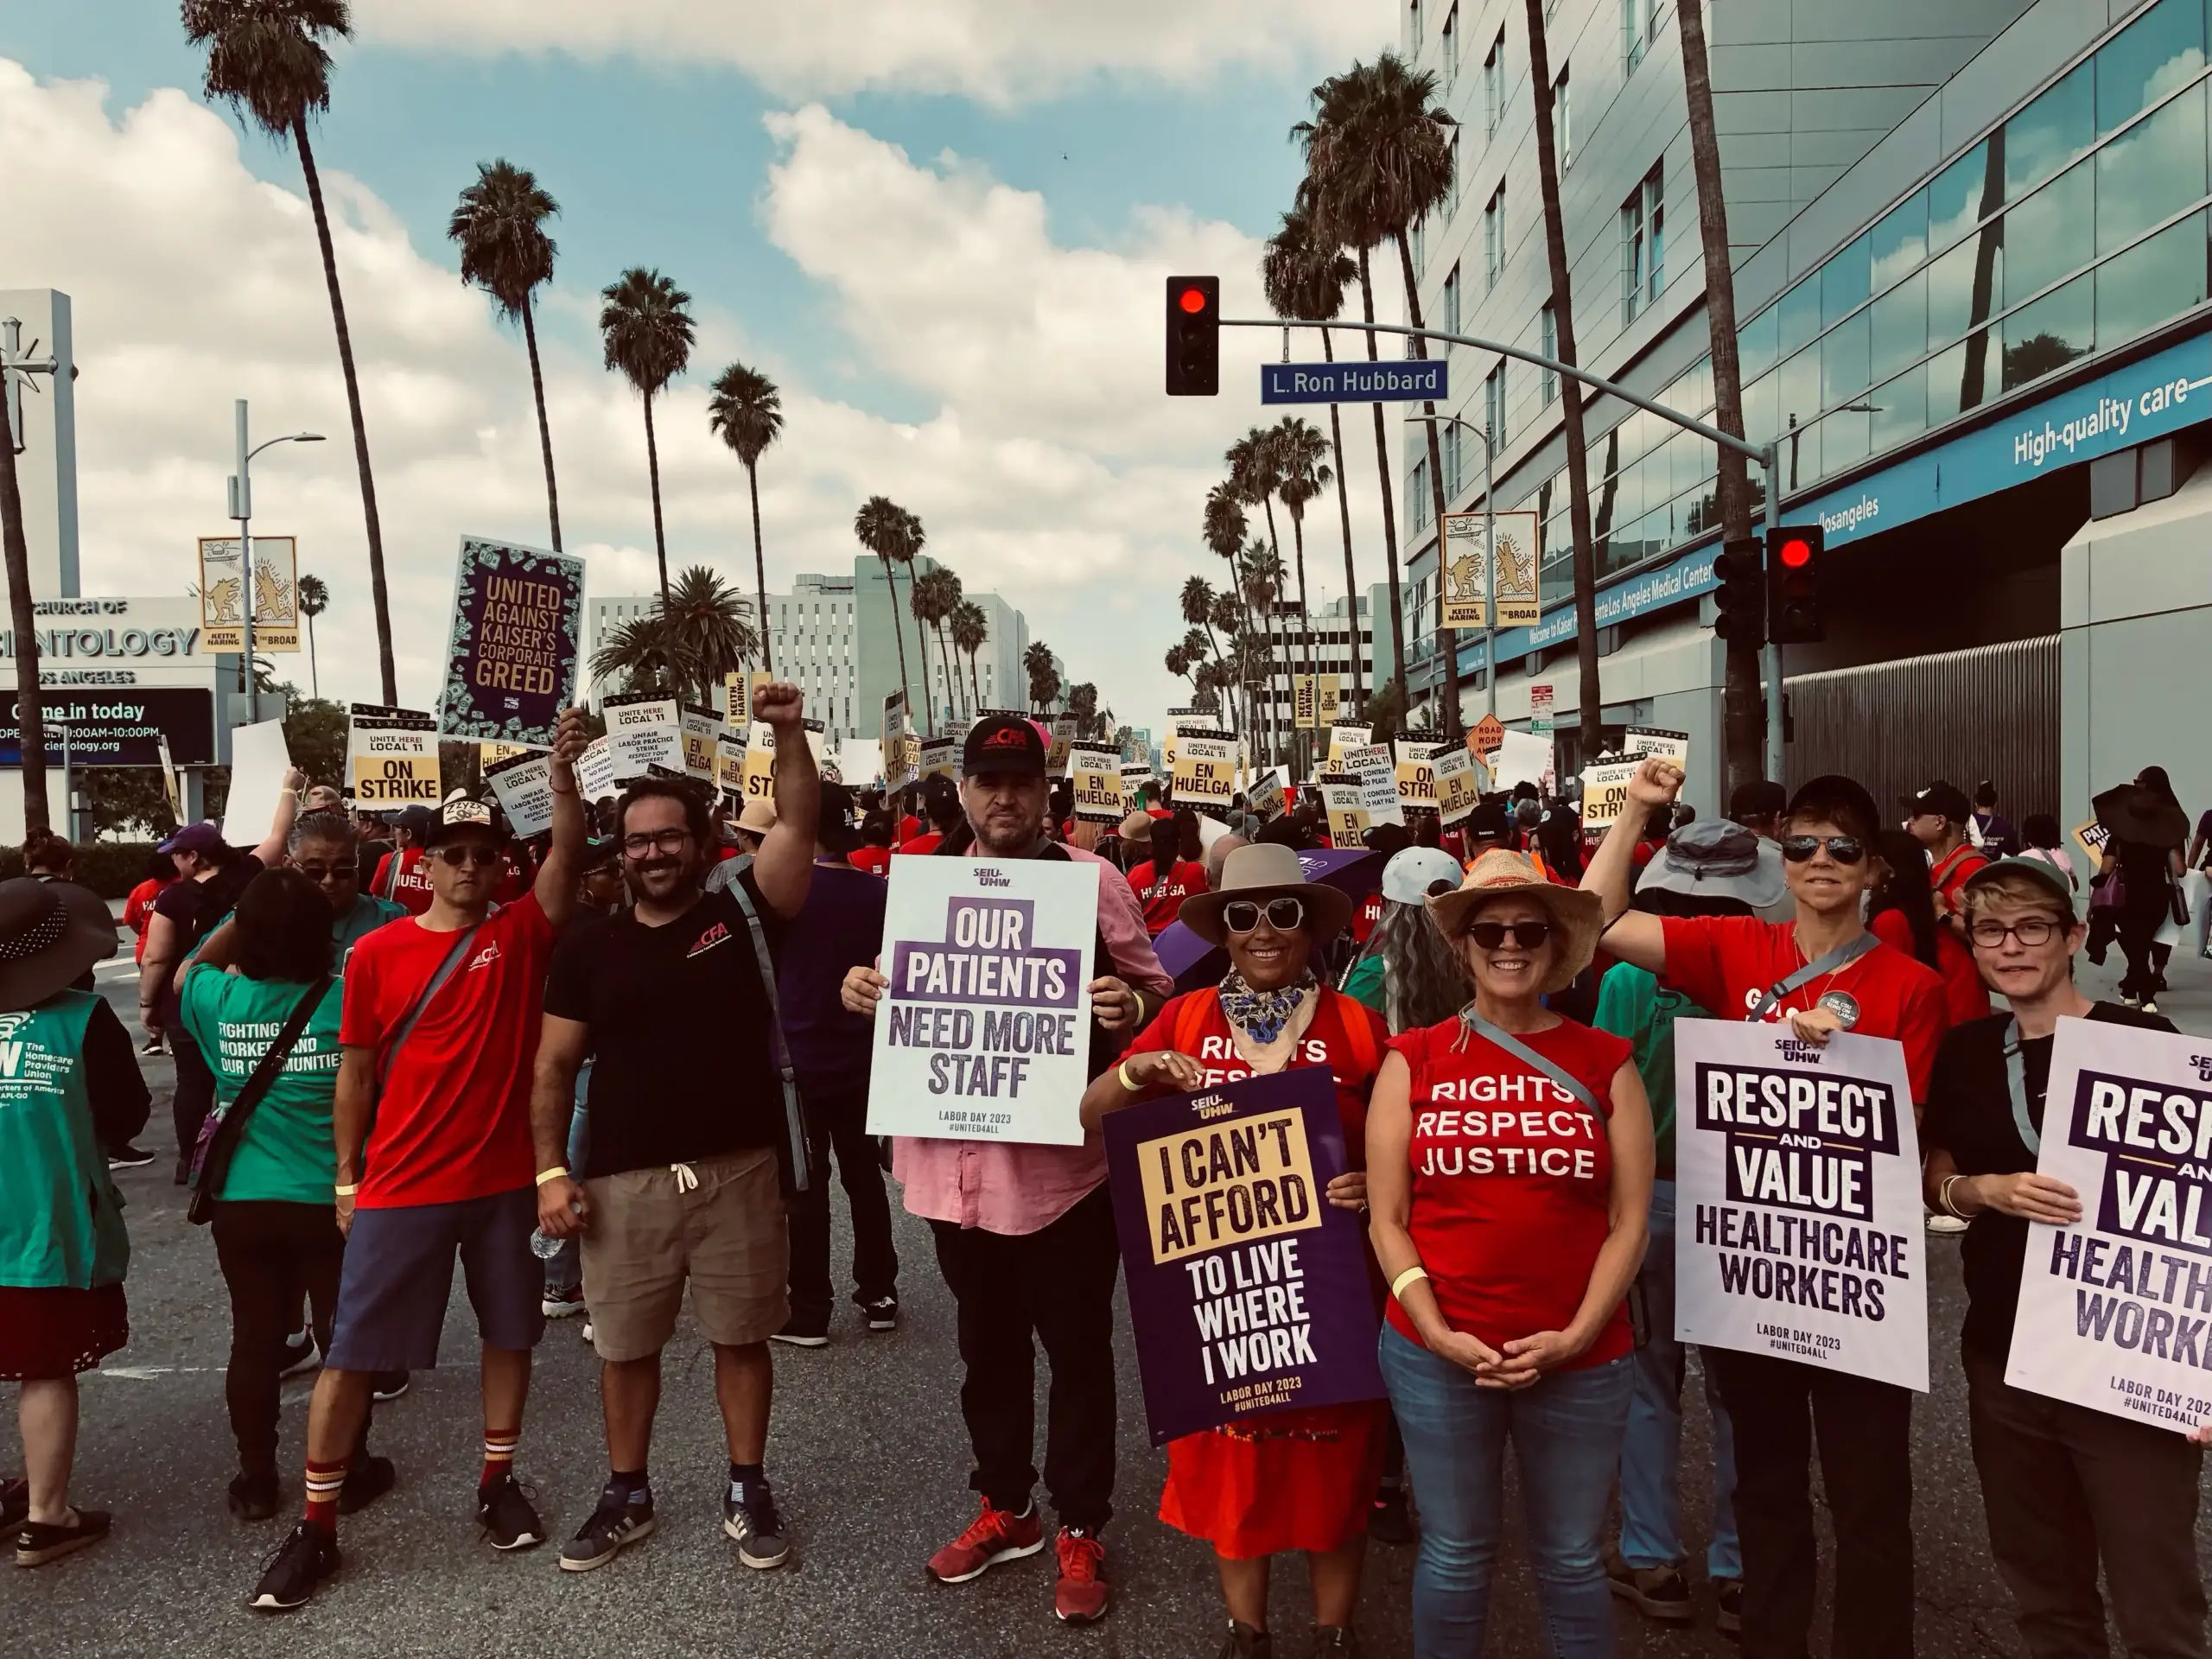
<point>320,874</point>
<point>1284,915</point>
<point>455,855</point>
<point>1843,849</point>
<point>1526,935</point>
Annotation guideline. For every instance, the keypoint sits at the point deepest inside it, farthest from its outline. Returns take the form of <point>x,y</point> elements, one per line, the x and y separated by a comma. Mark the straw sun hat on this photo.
<point>1578,916</point>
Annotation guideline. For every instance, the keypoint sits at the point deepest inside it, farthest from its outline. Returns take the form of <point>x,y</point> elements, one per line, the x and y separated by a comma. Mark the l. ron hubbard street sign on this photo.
<point>1405,381</point>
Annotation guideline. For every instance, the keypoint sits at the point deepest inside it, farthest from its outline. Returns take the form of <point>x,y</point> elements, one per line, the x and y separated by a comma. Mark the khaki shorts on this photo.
<point>650,1231</point>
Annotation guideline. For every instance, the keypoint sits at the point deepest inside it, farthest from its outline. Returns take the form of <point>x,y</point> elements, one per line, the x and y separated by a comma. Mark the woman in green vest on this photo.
<point>69,1084</point>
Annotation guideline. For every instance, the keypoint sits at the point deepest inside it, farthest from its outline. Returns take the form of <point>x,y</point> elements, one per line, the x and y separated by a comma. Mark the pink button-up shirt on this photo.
<point>1005,1188</point>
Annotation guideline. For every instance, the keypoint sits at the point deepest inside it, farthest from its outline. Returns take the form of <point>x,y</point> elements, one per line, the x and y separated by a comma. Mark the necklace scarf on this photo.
<point>1262,1016</point>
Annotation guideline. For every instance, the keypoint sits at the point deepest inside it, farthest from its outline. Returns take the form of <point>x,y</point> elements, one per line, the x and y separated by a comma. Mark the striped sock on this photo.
<point>499,1446</point>
<point>324,1480</point>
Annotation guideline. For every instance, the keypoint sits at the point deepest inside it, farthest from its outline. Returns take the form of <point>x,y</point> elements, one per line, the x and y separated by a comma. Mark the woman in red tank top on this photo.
<point>1278,1480</point>
<point>1509,1156</point>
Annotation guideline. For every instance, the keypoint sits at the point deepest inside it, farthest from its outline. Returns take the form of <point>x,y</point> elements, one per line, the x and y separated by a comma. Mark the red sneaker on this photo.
<point>1080,1596</point>
<point>995,1535</point>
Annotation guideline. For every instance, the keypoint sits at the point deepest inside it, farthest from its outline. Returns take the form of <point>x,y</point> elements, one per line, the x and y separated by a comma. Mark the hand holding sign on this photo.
<point>569,738</point>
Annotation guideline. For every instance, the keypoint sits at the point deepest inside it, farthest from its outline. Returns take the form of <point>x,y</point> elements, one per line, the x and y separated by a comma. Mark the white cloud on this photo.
<point>999,51</point>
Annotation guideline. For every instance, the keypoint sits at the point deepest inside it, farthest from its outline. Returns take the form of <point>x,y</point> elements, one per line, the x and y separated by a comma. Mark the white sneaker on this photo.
<point>1945,1226</point>
<point>299,1355</point>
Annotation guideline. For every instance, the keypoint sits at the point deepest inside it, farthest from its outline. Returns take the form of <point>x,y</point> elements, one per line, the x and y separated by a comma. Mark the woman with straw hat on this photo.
<point>1510,1167</point>
<point>1291,1480</point>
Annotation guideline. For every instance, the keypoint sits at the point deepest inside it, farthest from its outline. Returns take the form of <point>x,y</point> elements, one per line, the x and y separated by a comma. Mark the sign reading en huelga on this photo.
<point>1249,1291</point>
<point>2115,1312</point>
<point>511,667</point>
<point>1801,1234</point>
<point>984,1030</point>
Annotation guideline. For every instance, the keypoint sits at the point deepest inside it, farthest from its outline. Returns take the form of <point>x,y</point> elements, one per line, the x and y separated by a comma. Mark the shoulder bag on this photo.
<point>219,1131</point>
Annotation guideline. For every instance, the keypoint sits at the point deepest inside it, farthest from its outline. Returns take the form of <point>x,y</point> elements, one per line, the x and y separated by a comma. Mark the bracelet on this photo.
<point>1121,1071</point>
<point>288,790</point>
<point>1398,1284</point>
<point>1943,1197</point>
<point>346,1192</point>
<point>557,1172</point>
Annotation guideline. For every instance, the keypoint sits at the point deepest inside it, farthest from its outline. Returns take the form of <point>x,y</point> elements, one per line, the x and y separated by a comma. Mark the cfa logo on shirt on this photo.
<point>718,934</point>
<point>485,957</point>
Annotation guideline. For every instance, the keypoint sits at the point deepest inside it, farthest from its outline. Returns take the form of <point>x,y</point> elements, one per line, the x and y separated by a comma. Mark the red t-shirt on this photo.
<point>1365,915</point>
<point>1326,1042</point>
<point>909,827</point>
<point>453,1119</point>
<point>1949,875</point>
<point>1163,899</point>
<point>874,860</point>
<point>1512,1182</point>
<point>410,888</point>
<point>138,910</point>
<point>1726,964</point>
<point>1964,997</point>
<point>928,843</point>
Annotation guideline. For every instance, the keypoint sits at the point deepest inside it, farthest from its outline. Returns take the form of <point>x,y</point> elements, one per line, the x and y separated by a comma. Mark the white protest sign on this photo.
<point>523,785</point>
<point>1801,1235</point>
<point>1459,784</point>
<point>1521,758</point>
<point>595,770</point>
<point>984,1030</point>
<point>643,731</point>
<point>1673,746</point>
<point>1605,792</point>
<point>940,757</point>
<point>1377,776</point>
<point>1343,803</point>
<point>1345,736</point>
<point>1415,754</point>
<point>2112,1311</point>
<point>259,763</point>
<point>1096,771</point>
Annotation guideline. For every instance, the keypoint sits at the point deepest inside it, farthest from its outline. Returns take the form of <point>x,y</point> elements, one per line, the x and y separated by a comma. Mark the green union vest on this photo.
<point>61,1216</point>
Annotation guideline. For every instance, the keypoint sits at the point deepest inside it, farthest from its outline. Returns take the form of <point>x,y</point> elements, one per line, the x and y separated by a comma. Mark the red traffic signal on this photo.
<point>1797,553</point>
<point>1193,336</point>
<point>1795,615</point>
<point>1194,300</point>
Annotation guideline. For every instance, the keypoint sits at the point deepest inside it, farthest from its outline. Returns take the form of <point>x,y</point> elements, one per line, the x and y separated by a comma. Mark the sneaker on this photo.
<point>2150,1005</point>
<point>389,1386</point>
<point>1340,1639</point>
<point>2129,1000</point>
<point>300,1356</point>
<point>1660,1592</point>
<point>803,1333</point>
<point>882,1314</point>
<point>369,1479</point>
<point>1728,1596</point>
<point>1943,1226</point>
<point>306,1558</point>
<point>1080,1596</point>
<point>1245,1643</point>
<point>622,1518</point>
<point>14,1505</point>
<point>587,1333</point>
<point>560,1303</point>
<point>129,1157</point>
<point>1390,1519</point>
<point>253,1497</point>
<point>995,1535</point>
<point>37,1543</point>
<point>503,1511</point>
<point>751,1518</point>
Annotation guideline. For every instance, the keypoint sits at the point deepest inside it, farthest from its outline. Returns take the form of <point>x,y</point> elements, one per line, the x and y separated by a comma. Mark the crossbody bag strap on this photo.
<point>1828,961</point>
<point>214,1159</point>
<point>2016,1084</point>
<point>794,1113</point>
<point>1529,1057</point>
<point>407,1021</point>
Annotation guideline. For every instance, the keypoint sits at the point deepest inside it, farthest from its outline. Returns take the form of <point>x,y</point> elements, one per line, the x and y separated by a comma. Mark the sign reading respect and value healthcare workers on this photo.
<point>1248,1290</point>
<point>984,1030</point>
<point>517,623</point>
<point>1800,1232</point>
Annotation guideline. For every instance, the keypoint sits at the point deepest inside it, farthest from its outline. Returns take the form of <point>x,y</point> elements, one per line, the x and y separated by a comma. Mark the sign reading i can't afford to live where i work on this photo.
<point>984,1030</point>
<point>517,616</point>
<point>1248,1289</point>
<point>1800,1232</point>
<point>2115,1312</point>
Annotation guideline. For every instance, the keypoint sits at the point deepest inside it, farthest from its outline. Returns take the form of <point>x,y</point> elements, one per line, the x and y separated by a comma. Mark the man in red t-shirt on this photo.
<point>1862,1427</point>
<point>402,875</point>
<point>432,1124</point>
<point>1938,822</point>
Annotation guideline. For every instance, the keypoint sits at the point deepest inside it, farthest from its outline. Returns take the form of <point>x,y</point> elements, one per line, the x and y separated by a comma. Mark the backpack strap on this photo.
<point>1190,1021</point>
<point>795,1135</point>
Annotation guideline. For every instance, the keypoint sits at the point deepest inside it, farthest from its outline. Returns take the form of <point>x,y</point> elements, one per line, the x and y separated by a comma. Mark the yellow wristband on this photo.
<point>1398,1284</point>
<point>344,1191</point>
<point>558,1172</point>
<point>1128,1083</point>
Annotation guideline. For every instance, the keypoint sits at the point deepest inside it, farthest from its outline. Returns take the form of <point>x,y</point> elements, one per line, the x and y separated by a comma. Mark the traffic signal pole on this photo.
<point>1770,654</point>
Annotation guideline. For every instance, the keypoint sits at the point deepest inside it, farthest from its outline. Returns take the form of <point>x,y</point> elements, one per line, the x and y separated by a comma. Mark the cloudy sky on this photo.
<point>940,224</point>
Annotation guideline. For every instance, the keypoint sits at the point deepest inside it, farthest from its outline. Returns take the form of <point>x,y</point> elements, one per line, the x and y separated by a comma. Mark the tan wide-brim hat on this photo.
<point>1265,871</point>
<point>759,816</point>
<point>1580,917</point>
<point>1135,827</point>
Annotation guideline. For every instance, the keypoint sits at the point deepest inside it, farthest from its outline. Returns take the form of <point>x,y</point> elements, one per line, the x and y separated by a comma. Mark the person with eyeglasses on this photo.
<point>2064,1487</point>
<point>1821,974</point>
<point>1302,1480</point>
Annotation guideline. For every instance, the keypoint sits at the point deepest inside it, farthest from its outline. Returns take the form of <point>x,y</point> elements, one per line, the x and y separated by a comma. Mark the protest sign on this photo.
<point>490,753</point>
<point>1412,754</point>
<point>1345,736</point>
<point>729,762</point>
<point>1801,1233</point>
<point>259,761</point>
<point>595,771</point>
<point>1605,792</point>
<point>1523,758</point>
<point>169,788</point>
<point>1095,770</point>
<point>757,780</point>
<point>1248,1289</point>
<point>1673,746</point>
<point>1377,776</point>
<point>2112,1311</point>
<point>1329,699</point>
<point>511,659</point>
<point>1205,771</point>
<point>699,728</point>
<point>1305,703</point>
<point>984,1030</point>
<point>1458,785</point>
<point>1134,781</point>
<point>1193,719</point>
<point>2092,838</point>
<point>643,729</point>
<point>391,756</point>
<point>1344,806</point>
<point>276,595</point>
<point>738,687</point>
<point>523,785</point>
<point>1056,758</point>
<point>1267,793</point>
<point>939,758</point>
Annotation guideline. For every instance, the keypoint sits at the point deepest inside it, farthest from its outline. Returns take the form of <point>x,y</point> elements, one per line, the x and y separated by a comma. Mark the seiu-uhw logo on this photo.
<point>485,957</point>
<point>707,941</point>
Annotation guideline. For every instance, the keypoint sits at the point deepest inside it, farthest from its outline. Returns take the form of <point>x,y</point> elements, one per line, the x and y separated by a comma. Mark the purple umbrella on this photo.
<point>1194,964</point>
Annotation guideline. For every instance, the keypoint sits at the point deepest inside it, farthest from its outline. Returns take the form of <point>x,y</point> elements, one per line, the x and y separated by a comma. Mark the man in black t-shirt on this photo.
<point>2063,1485</point>
<point>691,1119</point>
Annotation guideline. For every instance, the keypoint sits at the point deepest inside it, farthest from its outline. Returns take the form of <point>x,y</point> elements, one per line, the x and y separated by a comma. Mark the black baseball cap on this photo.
<point>458,814</point>
<point>838,826</point>
<point>1939,797</point>
<point>416,820</point>
<point>1002,743</point>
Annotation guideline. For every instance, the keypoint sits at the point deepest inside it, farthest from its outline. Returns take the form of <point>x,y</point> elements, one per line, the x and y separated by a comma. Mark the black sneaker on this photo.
<point>623,1517</point>
<point>1728,1599</point>
<point>503,1511</point>
<point>308,1557</point>
<point>14,1505</point>
<point>129,1157</point>
<point>253,1497</point>
<point>387,1386</point>
<point>882,1314</point>
<point>369,1479</point>
<point>1245,1643</point>
<point>37,1543</point>
<point>1390,1521</point>
<point>1660,1592</point>
<point>803,1333</point>
<point>753,1521</point>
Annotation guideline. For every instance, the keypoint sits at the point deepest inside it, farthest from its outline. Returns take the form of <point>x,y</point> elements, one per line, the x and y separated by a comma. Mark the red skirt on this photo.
<point>1287,1480</point>
<point>58,1331</point>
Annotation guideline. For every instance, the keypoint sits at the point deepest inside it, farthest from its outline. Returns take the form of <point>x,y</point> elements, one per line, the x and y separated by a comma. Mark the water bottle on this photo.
<point>544,1248</point>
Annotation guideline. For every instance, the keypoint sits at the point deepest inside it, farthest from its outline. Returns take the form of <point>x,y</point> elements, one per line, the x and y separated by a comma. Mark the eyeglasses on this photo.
<point>453,856</point>
<point>1284,915</point>
<point>1526,936</point>
<point>1843,849</point>
<point>2032,931</point>
<point>320,874</point>
<point>660,840</point>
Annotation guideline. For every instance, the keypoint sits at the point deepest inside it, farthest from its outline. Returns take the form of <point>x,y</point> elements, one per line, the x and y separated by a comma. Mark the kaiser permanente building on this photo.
<point>1971,257</point>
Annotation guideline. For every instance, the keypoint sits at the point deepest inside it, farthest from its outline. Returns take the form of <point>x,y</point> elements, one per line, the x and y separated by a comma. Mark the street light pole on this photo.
<point>242,510</point>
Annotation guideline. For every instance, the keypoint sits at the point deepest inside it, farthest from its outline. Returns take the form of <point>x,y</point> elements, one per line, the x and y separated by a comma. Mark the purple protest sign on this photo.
<point>1249,1292</point>
<point>517,621</point>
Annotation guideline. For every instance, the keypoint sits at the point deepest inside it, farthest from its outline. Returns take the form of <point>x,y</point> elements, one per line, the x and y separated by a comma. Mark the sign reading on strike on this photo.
<point>1413,754</point>
<point>1605,792</point>
<point>391,756</point>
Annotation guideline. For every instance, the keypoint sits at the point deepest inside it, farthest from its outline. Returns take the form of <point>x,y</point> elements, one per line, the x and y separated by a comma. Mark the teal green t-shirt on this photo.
<point>368,914</point>
<point>1634,1005</point>
<point>286,1153</point>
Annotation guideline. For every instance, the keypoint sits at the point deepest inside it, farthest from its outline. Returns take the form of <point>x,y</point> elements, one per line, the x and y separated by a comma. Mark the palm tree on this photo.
<point>1198,610</point>
<point>500,225</point>
<point>1227,617</point>
<point>643,655</point>
<point>1224,533</point>
<point>271,59</point>
<point>1262,587</point>
<point>1254,470</point>
<point>972,631</point>
<point>314,599</point>
<point>687,643</point>
<point>1043,678</point>
<point>935,597</point>
<point>1301,453</point>
<point>1083,703</point>
<point>748,410</point>
<point>881,526</point>
<point>648,332</point>
<point>1177,662</point>
<point>1305,279</point>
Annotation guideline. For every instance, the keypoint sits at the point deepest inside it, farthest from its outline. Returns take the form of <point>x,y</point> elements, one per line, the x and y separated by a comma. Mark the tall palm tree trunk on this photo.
<point>759,563</point>
<point>1382,466</point>
<point>30,708</point>
<point>545,427</point>
<point>975,686</point>
<point>652,474</point>
<point>891,587</point>
<point>1590,693</point>
<point>922,644</point>
<point>1743,736</point>
<point>378,592</point>
<point>1343,513</point>
<point>1298,541</point>
<point>1445,642</point>
<point>948,672</point>
<point>314,671</point>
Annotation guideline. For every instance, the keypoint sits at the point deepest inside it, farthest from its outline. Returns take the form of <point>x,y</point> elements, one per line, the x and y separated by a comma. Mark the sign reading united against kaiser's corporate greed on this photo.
<point>2115,1312</point>
<point>1799,1233</point>
<point>984,1030</point>
<point>1248,1289</point>
<point>511,668</point>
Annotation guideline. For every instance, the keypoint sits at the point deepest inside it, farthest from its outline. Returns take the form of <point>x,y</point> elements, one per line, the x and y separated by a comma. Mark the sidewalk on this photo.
<point>2188,999</point>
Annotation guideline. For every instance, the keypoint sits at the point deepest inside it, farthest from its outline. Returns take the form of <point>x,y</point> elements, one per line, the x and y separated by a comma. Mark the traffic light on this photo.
<point>1193,336</point>
<point>1742,621</point>
<point>1793,616</point>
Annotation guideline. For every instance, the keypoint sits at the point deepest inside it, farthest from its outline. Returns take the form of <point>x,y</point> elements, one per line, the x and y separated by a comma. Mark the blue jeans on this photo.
<point>564,1268</point>
<point>1566,1434</point>
<point>1651,1493</point>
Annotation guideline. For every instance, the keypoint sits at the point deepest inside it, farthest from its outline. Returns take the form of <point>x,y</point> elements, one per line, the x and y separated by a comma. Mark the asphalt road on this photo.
<point>870,1460</point>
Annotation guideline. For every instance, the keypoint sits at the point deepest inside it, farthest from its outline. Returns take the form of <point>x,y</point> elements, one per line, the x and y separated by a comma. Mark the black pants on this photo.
<point>271,1255</point>
<point>838,1120</point>
<point>1057,1286</point>
<point>195,1090</point>
<point>1782,1410</point>
<point>2064,1487</point>
<point>2141,915</point>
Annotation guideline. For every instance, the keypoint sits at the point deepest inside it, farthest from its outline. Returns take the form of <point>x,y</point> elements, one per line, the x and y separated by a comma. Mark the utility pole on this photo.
<point>31,723</point>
